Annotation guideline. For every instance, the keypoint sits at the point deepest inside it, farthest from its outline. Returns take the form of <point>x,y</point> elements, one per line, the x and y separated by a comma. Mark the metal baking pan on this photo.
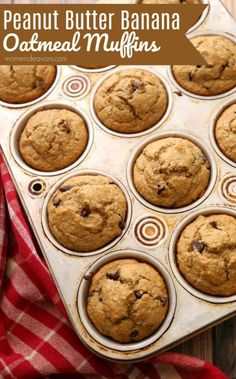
<point>112,154</point>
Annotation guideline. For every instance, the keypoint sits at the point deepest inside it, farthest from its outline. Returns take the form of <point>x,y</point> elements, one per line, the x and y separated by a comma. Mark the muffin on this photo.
<point>225,132</point>
<point>218,75</point>
<point>171,2</point>
<point>20,84</point>
<point>87,212</point>
<point>206,254</point>
<point>53,139</point>
<point>131,101</point>
<point>171,172</point>
<point>127,300</point>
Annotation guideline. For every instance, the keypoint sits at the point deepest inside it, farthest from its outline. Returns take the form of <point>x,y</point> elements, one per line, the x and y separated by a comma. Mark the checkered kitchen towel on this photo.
<point>36,339</point>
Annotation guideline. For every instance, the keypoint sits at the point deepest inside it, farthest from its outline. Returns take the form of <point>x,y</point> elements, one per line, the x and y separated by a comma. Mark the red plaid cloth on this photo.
<point>36,339</point>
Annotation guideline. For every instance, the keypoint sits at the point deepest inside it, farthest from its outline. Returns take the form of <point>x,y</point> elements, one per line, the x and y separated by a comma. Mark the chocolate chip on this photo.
<point>136,86</point>
<point>113,275</point>
<point>85,211</point>
<point>64,126</point>
<point>138,294</point>
<point>162,299</point>
<point>122,224</point>
<point>213,224</point>
<point>199,246</point>
<point>40,82</point>
<point>56,202</point>
<point>134,333</point>
<point>203,159</point>
<point>65,188</point>
<point>199,66</point>
<point>160,188</point>
<point>91,294</point>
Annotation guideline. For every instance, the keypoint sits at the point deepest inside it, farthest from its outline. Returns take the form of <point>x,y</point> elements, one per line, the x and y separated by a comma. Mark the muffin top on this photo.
<point>87,212</point>
<point>225,132</point>
<point>218,76</point>
<point>206,254</point>
<point>171,2</point>
<point>171,172</point>
<point>131,101</point>
<point>20,84</point>
<point>53,139</point>
<point>128,300</point>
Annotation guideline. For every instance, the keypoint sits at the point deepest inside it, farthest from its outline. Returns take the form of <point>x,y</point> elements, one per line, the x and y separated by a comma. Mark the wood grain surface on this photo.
<point>217,345</point>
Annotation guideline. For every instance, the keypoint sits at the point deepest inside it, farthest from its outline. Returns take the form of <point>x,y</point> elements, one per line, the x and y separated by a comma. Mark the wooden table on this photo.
<point>217,345</point>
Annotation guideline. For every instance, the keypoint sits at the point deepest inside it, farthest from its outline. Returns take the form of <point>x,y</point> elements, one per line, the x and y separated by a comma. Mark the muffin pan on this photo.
<point>151,232</point>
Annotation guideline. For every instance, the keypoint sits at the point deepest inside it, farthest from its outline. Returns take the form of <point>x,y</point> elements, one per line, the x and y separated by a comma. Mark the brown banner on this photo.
<point>88,35</point>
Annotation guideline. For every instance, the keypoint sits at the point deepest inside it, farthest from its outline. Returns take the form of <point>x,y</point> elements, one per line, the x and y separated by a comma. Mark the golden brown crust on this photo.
<point>53,139</point>
<point>128,300</point>
<point>206,254</point>
<point>225,132</point>
<point>215,78</point>
<point>131,101</point>
<point>87,212</point>
<point>171,172</point>
<point>21,84</point>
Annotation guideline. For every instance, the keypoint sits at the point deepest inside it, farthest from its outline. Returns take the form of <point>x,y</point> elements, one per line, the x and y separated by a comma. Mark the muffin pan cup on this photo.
<point>171,76</point>
<point>22,121</point>
<point>172,253</point>
<point>149,230</point>
<point>57,185</point>
<point>84,289</point>
<point>189,136</point>
<point>147,131</point>
<point>38,99</point>
<point>218,112</point>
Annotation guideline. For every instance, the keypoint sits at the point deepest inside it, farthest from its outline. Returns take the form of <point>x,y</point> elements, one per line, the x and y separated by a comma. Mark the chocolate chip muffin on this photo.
<point>128,300</point>
<point>218,75</point>
<point>53,139</point>
<point>206,254</point>
<point>225,132</point>
<point>171,2</point>
<point>20,84</point>
<point>171,172</point>
<point>131,101</point>
<point>87,212</point>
